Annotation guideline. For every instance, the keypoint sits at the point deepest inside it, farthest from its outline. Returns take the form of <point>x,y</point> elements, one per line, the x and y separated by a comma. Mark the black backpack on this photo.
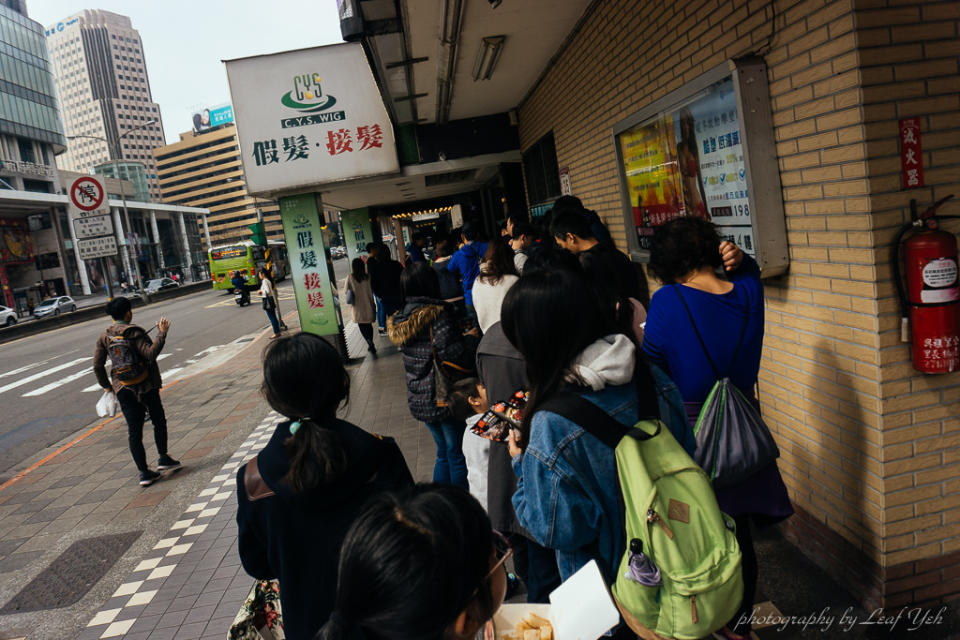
<point>128,367</point>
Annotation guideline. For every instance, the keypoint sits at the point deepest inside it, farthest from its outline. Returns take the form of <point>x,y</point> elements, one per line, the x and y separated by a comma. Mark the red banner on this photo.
<point>15,243</point>
<point>911,153</point>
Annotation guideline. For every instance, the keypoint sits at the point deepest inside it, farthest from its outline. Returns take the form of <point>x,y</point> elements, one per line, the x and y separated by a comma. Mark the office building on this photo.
<point>135,172</point>
<point>203,170</point>
<point>101,77</point>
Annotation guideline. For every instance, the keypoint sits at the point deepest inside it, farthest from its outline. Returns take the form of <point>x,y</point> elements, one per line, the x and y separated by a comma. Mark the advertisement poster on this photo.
<point>310,117</point>
<point>690,162</point>
<point>356,232</point>
<point>308,266</point>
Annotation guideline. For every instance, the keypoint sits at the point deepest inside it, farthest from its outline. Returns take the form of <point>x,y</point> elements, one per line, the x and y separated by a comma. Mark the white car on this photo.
<point>54,306</point>
<point>8,317</point>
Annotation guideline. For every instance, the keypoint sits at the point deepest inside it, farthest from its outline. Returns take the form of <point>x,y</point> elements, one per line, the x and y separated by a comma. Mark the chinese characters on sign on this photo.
<point>941,353</point>
<point>690,162</point>
<point>911,153</point>
<point>335,142</point>
<point>311,280</point>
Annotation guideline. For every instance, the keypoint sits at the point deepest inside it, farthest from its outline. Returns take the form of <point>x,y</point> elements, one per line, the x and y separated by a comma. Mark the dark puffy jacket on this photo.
<point>409,329</point>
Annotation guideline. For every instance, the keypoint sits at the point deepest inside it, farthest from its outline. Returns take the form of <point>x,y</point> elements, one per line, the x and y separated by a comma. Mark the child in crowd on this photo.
<point>422,565</point>
<point>300,494</point>
<point>468,402</point>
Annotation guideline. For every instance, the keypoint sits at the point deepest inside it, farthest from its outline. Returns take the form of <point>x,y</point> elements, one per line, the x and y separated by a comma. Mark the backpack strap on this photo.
<point>592,418</point>
<point>736,350</point>
<point>253,483</point>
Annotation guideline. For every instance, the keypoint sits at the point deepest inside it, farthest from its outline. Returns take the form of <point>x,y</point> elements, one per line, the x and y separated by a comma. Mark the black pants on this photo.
<point>537,567</point>
<point>366,330</point>
<point>751,574</point>
<point>134,411</point>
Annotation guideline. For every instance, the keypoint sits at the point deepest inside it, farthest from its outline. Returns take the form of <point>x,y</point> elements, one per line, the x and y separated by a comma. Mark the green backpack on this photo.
<point>680,574</point>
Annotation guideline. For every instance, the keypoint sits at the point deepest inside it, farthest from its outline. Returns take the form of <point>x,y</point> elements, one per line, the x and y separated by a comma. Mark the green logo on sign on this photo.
<point>306,96</point>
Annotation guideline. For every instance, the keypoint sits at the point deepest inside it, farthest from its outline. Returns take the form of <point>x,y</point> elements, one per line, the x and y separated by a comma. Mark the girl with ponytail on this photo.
<point>300,494</point>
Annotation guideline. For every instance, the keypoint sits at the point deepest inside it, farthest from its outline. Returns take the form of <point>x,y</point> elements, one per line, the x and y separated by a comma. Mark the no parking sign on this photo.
<point>88,197</point>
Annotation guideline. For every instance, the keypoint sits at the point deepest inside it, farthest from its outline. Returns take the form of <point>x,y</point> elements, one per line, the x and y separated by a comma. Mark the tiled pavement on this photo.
<point>196,585</point>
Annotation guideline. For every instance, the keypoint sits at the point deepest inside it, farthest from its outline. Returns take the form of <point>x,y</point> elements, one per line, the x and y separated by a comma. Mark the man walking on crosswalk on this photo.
<point>135,378</point>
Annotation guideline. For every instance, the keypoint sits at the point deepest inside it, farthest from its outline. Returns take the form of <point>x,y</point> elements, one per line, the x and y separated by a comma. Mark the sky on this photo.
<point>184,42</point>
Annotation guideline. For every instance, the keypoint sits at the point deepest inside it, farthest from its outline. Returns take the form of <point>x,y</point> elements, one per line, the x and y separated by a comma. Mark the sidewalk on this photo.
<point>171,568</point>
<point>87,495</point>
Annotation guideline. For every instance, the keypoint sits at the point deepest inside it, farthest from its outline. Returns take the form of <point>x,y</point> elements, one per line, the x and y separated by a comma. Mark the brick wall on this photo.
<point>869,448</point>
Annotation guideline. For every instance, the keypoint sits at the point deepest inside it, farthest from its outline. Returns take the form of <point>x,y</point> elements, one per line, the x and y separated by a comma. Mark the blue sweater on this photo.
<point>670,341</point>
<point>466,262</point>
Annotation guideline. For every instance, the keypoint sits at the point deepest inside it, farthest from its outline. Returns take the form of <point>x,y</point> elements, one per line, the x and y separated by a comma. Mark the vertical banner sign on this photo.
<point>911,153</point>
<point>308,266</point>
<point>566,188</point>
<point>310,117</point>
<point>356,232</point>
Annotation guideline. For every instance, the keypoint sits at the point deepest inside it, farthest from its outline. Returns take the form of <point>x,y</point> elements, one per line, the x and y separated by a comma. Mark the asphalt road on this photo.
<point>47,387</point>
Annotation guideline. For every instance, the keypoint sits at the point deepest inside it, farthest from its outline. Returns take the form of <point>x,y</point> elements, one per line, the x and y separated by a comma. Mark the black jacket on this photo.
<point>385,278</point>
<point>296,537</point>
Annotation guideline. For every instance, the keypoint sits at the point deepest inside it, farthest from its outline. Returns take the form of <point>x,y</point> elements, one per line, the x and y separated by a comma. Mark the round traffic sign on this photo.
<point>86,193</point>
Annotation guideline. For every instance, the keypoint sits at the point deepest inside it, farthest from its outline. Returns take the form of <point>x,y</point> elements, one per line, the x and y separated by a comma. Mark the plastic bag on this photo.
<point>107,404</point>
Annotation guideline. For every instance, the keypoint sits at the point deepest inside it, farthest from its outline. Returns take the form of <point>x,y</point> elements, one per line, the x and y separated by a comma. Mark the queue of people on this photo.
<point>331,511</point>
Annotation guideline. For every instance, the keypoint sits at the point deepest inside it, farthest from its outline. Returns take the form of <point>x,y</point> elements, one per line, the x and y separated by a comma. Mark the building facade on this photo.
<point>101,78</point>
<point>204,170</point>
<point>134,172</point>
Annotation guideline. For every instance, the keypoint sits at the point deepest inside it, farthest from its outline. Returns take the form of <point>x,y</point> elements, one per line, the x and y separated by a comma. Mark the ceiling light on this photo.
<point>487,57</point>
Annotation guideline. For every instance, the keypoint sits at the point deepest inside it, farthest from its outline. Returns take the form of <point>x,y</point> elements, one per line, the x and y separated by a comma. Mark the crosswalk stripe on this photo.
<point>59,383</point>
<point>96,387</point>
<point>42,374</point>
<point>26,368</point>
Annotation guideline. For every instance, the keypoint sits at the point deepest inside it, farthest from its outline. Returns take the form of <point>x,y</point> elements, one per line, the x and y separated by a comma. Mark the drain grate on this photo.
<point>72,574</point>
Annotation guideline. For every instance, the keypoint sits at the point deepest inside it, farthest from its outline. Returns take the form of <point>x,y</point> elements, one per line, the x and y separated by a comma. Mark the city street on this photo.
<point>47,387</point>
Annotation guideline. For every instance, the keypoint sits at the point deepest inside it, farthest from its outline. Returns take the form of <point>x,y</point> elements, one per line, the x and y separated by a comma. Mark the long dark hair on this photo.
<point>358,269</point>
<point>304,379</point>
<point>551,317</point>
<point>420,280</point>
<point>409,565</point>
<point>497,262</point>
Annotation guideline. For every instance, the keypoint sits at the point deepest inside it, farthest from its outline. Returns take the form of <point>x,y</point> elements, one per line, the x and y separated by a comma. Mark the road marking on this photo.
<point>42,374</point>
<point>26,368</point>
<point>59,383</point>
<point>226,303</point>
<point>96,387</point>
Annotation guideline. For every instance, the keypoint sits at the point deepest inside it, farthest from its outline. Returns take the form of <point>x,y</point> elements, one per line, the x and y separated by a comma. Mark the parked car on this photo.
<point>8,317</point>
<point>338,252</point>
<point>54,307</point>
<point>158,284</point>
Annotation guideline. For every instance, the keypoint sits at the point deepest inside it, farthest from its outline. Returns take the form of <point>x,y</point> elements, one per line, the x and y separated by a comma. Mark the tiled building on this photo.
<point>101,75</point>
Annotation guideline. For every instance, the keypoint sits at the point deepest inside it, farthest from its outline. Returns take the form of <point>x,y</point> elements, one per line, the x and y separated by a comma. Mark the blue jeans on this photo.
<point>451,466</point>
<point>272,314</point>
<point>381,313</point>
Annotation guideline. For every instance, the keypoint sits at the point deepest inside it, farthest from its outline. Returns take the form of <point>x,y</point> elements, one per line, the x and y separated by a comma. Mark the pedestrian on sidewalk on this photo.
<point>450,288</point>
<point>466,263</point>
<point>135,378</point>
<point>422,565</point>
<point>684,256</point>
<point>523,238</point>
<point>497,275</point>
<point>299,495</point>
<point>384,274</point>
<point>268,301</point>
<point>364,307</point>
<point>425,329</point>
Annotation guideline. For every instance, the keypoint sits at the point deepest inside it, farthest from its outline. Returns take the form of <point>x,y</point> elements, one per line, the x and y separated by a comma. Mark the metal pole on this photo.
<point>126,219</point>
<point>106,274</point>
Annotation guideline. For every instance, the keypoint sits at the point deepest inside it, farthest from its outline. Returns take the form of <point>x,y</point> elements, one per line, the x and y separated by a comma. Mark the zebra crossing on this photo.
<point>41,378</point>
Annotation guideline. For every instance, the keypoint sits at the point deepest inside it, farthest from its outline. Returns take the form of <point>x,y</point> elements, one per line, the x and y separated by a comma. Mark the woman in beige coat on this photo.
<point>364,308</point>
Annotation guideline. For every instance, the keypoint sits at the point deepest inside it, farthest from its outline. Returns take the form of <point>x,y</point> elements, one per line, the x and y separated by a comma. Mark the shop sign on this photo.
<point>101,247</point>
<point>356,232</point>
<point>689,161</point>
<point>308,264</point>
<point>911,153</point>
<point>566,188</point>
<point>93,226</point>
<point>310,117</point>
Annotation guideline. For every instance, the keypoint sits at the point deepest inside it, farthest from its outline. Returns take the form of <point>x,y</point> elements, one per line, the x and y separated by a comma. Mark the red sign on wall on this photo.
<point>911,153</point>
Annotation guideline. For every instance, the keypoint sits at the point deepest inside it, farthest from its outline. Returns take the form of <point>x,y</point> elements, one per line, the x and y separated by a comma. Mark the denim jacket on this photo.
<point>566,494</point>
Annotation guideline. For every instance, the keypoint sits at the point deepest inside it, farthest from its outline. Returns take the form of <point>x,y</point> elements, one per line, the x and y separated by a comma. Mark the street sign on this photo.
<point>93,226</point>
<point>97,247</point>
<point>88,197</point>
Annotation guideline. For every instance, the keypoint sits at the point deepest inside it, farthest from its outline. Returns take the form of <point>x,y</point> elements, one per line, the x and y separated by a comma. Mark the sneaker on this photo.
<point>382,331</point>
<point>148,477</point>
<point>165,463</point>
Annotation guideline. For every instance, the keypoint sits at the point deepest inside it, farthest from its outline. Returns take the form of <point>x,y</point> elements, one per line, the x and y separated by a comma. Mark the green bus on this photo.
<point>247,258</point>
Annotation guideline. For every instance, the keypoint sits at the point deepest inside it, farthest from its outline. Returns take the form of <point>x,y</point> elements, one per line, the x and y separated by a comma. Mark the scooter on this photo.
<point>241,296</point>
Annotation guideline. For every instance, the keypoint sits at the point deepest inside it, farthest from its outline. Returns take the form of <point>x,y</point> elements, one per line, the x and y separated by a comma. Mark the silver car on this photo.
<point>8,317</point>
<point>54,307</point>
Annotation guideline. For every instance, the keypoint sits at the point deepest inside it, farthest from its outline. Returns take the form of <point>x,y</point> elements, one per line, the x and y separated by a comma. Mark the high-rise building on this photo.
<point>204,170</point>
<point>101,77</point>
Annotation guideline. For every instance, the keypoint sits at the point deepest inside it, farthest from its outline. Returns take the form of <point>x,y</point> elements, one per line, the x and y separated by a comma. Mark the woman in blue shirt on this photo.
<point>685,255</point>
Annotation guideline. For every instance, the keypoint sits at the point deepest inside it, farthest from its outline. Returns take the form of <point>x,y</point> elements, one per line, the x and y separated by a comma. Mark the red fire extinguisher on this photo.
<point>933,291</point>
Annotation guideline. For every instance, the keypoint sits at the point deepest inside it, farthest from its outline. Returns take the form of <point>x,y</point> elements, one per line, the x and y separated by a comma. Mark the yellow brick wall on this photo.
<point>858,429</point>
